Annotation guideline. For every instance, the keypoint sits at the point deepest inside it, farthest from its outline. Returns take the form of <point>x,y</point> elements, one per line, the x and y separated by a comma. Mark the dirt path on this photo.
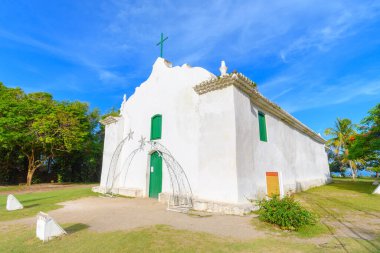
<point>110,214</point>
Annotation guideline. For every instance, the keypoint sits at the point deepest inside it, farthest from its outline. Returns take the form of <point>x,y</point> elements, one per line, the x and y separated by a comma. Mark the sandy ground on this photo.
<point>109,214</point>
<point>103,214</point>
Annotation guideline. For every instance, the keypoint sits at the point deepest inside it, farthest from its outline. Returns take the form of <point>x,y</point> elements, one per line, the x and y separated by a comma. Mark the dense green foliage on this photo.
<point>54,139</point>
<point>287,213</point>
<point>366,144</point>
<point>355,146</point>
<point>339,144</point>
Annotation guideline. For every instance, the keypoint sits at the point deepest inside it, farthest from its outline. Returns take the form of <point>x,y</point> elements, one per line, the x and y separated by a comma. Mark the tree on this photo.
<point>335,163</point>
<point>342,136</point>
<point>40,127</point>
<point>11,163</point>
<point>83,165</point>
<point>366,144</point>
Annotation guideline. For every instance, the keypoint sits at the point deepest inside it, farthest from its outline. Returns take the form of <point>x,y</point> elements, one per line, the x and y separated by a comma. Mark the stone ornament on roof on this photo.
<point>109,120</point>
<point>223,69</point>
<point>236,79</point>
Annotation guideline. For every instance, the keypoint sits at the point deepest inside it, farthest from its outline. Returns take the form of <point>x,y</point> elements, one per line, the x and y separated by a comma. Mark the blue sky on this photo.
<point>317,59</point>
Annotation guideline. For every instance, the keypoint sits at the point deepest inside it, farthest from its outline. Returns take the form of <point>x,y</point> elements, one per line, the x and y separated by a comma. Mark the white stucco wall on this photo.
<point>300,160</point>
<point>168,91</point>
<point>113,135</point>
<point>217,147</point>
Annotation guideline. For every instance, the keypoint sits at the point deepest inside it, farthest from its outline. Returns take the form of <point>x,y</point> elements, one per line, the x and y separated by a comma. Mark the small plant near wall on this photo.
<point>285,212</point>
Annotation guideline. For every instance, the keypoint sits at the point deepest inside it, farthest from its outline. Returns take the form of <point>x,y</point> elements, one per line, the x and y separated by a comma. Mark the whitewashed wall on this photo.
<point>300,161</point>
<point>169,92</point>
<point>113,135</point>
<point>217,147</point>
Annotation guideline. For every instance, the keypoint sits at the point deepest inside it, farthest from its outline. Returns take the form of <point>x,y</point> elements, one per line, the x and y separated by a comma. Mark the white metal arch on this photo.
<point>181,195</point>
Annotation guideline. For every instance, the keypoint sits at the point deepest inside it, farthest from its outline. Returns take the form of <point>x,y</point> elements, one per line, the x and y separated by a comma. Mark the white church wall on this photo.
<point>113,135</point>
<point>217,146</point>
<point>301,161</point>
<point>245,116</point>
<point>168,91</point>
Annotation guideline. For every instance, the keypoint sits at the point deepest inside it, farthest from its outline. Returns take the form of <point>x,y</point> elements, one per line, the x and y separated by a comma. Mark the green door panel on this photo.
<point>155,179</point>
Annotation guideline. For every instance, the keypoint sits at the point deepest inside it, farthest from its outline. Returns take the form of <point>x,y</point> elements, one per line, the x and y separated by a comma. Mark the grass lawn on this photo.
<point>338,200</point>
<point>41,201</point>
<point>159,238</point>
<point>11,188</point>
<point>342,197</point>
<point>342,202</point>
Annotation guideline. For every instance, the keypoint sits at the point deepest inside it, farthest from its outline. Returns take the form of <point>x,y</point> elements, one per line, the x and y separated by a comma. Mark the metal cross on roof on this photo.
<point>162,43</point>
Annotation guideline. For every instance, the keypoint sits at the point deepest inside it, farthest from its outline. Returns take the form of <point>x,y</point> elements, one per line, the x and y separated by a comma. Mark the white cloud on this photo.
<point>304,94</point>
<point>337,27</point>
<point>118,44</point>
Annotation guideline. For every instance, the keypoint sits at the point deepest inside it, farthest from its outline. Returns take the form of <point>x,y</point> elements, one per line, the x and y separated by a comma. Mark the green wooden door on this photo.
<point>155,182</point>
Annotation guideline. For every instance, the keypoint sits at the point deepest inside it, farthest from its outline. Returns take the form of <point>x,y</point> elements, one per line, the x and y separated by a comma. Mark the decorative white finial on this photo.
<point>223,69</point>
<point>125,98</point>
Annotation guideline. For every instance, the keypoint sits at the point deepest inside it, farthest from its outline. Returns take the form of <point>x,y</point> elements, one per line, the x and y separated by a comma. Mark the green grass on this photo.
<point>41,201</point>
<point>11,188</point>
<point>332,202</point>
<point>342,197</point>
<point>159,238</point>
<point>163,238</point>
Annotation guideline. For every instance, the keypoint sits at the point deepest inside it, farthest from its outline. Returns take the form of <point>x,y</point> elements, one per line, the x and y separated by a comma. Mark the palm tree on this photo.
<point>341,137</point>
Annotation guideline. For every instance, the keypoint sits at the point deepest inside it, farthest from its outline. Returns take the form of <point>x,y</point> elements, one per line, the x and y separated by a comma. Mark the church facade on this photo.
<point>210,143</point>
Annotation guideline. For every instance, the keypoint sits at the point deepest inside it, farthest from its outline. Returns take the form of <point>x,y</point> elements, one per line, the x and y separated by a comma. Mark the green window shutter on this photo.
<point>156,126</point>
<point>263,127</point>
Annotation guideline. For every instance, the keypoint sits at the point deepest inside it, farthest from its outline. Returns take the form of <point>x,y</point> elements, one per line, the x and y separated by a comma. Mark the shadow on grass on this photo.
<point>35,199</point>
<point>30,206</point>
<point>76,228</point>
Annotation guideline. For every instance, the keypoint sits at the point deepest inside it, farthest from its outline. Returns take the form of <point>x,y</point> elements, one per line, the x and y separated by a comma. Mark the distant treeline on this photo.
<point>44,140</point>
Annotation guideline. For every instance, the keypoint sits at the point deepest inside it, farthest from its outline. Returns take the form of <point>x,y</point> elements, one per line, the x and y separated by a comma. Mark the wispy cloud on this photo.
<point>304,94</point>
<point>61,51</point>
<point>333,30</point>
<point>286,42</point>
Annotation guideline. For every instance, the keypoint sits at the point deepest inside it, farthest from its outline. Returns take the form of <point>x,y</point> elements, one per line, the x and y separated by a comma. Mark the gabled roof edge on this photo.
<point>250,88</point>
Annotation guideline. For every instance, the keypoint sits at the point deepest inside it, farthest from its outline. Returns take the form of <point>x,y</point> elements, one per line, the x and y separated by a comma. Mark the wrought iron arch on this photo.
<point>180,198</point>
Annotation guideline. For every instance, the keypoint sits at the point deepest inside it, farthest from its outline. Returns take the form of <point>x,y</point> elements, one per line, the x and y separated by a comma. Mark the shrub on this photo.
<point>287,213</point>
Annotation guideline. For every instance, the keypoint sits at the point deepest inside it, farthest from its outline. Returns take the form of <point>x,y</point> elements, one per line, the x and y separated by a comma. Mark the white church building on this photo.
<point>206,142</point>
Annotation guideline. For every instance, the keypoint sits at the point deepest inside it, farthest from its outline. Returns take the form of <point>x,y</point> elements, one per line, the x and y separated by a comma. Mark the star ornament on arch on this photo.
<point>130,135</point>
<point>142,142</point>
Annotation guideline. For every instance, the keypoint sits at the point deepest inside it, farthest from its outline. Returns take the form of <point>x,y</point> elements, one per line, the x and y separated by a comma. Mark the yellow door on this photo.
<point>273,184</point>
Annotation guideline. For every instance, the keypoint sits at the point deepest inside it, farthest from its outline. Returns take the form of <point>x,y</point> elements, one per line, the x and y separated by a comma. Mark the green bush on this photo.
<point>287,213</point>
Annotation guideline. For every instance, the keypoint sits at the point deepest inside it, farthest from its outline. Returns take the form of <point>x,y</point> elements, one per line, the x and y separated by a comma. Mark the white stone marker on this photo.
<point>377,190</point>
<point>13,203</point>
<point>47,227</point>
